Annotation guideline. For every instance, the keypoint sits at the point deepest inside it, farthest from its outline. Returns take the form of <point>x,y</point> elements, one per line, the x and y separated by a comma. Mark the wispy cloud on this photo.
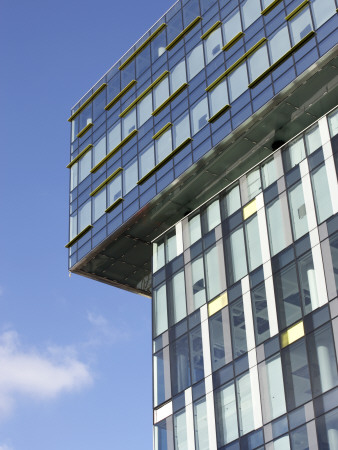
<point>5,447</point>
<point>106,332</point>
<point>40,374</point>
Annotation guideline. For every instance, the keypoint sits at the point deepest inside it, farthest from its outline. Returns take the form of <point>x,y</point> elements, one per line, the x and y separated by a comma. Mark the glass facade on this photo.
<point>203,174</point>
<point>257,338</point>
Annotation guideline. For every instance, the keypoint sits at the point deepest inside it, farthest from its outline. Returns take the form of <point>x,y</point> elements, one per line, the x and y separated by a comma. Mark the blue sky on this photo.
<point>75,355</point>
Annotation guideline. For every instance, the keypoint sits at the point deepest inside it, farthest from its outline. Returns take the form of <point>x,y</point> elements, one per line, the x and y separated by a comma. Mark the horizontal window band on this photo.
<point>120,95</point>
<point>112,152</point>
<point>164,161</point>
<point>233,41</point>
<point>211,29</point>
<point>106,181</point>
<point>219,113</point>
<point>270,7</point>
<point>84,130</point>
<point>144,93</point>
<point>162,130</point>
<point>297,10</point>
<point>183,33</point>
<point>77,237</point>
<point>79,156</point>
<point>113,205</point>
<point>169,99</point>
<point>282,59</point>
<point>94,94</point>
<point>292,334</point>
<point>142,46</point>
<point>236,64</point>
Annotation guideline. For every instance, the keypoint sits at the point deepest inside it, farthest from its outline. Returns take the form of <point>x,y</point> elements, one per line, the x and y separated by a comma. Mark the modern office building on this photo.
<point>204,175</point>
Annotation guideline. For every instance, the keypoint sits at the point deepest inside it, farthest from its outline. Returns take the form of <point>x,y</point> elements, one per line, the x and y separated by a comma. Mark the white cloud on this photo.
<point>5,447</point>
<point>42,375</point>
<point>105,332</point>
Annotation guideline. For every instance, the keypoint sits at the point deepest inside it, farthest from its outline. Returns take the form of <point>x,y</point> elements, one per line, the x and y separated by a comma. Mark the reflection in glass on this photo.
<point>212,272</point>
<point>196,355</point>
<point>245,408</point>
<point>226,414</point>
<point>279,43</point>
<point>99,150</point>
<point>213,45</point>
<point>130,177</point>
<point>147,160</point>
<point>253,243</point>
<point>251,10</point>
<point>176,301</point>
<point>73,176</point>
<point>161,377</point>
<point>160,436</point>
<point>253,180</point>
<point>213,216</point>
<point>181,130</point>
<point>232,26</point>
<point>238,82</point>
<point>217,340</point>
<point>308,284</point>
<point>180,431</point>
<point>296,375</point>
<point>85,164</point>
<point>322,10</point>
<point>300,25</point>
<point>199,113</point>
<point>333,123</point>
<point>163,146</point>
<point>177,76</point>
<point>334,255</point>
<point>327,430</point>
<point>235,256</point>
<point>268,172</point>
<point>180,366</point>
<point>232,201</point>
<point>160,316</point>
<point>294,154</point>
<point>201,425</point>
<point>129,123</point>
<point>158,256</point>
<point>171,247</point>
<point>298,211</point>
<point>276,219</point>
<point>84,216</point>
<point>198,284</point>
<point>114,136</point>
<point>312,139</point>
<point>144,109</point>
<point>195,61</point>
<point>99,204</point>
<point>274,400</point>
<point>239,345</point>
<point>161,92</point>
<point>258,62</point>
<point>299,438</point>
<point>321,193</point>
<point>195,232</point>
<point>260,314</point>
<point>218,97</point>
<point>114,190</point>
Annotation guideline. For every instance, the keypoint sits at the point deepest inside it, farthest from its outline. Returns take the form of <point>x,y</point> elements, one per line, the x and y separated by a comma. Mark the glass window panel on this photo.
<point>99,103</point>
<point>298,211</point>
<point>177,304</point>
<point>333,123</point>
<point>217,340</point>
<point>73,226</point>
<point>296,375</point>
<point>312,139</point>
<point>251,10</point>
<point>232,201</point>
<point>239,345</point>
<point>201,425</point>
<point>308,285</point>
<point>334,255</point>
<point>196,355</point>
<point>287,296</point>
<point>322,10</point>
<point>268,172</point>
<point>212,272</point>
<point>322,357</point>
<point>258,62</point>
<point>158,46</point>
<point>235,256</point>
<point>198,283</point>
<point>130,177</point>
<point>144,109</point>
<point>177,76</point>
<point>75,127</point>
<point>276,226</point>
<point>321,193</point>
<point>213,45</point>
<point>195,232</point>
<point>195,61</point>
<point>238,82</point>
<point>253,180</point>
<point>253,243</point>
<point>218,97</point>
<point>163,146</point>
<point>274,404</point>
<point>181,130</point>
<point>180,366</point>
<point>299,438</point>
<point>84,216</point>
<point>85,164</point>
<point>294,154</point>
<point>282,443</point>
<point>199,113</point>
<point>114,136</point>
<point>73,176</point>
<point>99,204</point>
<point>327,430</point>
<point>147,160</point>
<point>232,26</point>
<point>99,150</point>
<point>213,215</point>
<point>86,117</point>
<point>160,436</point>
<point>300,26</point>
<point>244,400</point>
<point>226,414</point>
<point>180,431</point>
<point>142,61</point>
<point>161,92</point>
<point>260,314</point>
<point>114,190</point>
<point>158,256</point>
<point>129,123</point>
<point>160,316</point>
<point>171,247</point>
<point>279,43</point>
<point>161,377</point>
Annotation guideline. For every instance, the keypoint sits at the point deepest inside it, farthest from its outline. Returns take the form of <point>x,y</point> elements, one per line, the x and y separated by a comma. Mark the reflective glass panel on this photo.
<point>177,76</point>
<point>181,130</point>
<point>322,10</point>
<point>321,193</point>
<point>300,25</point>
<point>268,172</point>
<point>195,61</point>
<point>251,10</point>
<point>294,154</point>
<point>260,314</point>
<point>312,139</point>
<point>245,408</point>
<point>160,316</point>
<point>213,45</point>
<point>201,425</point>
<point>298,211</point>
<point>180,366</point>
<point>163,146</point>
<point>199,113</point>
<point>238,82</point>
<point>177,304</point>
<point>212,272</point>
<point>239,345</point>
<point>114,190</point>
<point>232,26</point>
<point>279,43</point>
<point>129,123</point>
<point>84,216</point>
<point>144,109</point>
<point>198,283</point>
<point>232,201</point>
<point>196,355</point>
<point>258,62</point>
<point>180,431</point>
<point>218,97</point>
<point>99,204</point>
<point>226,414</point>
<point>130,177</point>
<point>253,243</point>
<point>161,92</point>
<point>147,160</point>
<point>195,229</point>
<point>235,256</point>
